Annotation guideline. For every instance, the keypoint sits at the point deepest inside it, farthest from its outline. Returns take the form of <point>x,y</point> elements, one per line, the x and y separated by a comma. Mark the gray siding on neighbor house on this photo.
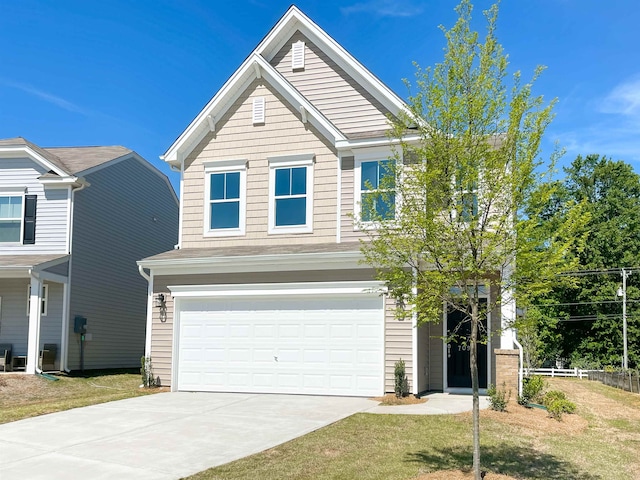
<point>236,137</point>
<point>162,332</point>
<point>51,210</point>
<point>331,90</point>
<point>14,322</point>
<point>127,213</point>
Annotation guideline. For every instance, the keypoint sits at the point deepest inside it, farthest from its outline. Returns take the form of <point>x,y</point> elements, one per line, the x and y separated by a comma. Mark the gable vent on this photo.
<point>297,55</point>
<point>258,110</point>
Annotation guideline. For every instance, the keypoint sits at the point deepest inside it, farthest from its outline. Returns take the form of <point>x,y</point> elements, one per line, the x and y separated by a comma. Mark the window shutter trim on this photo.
<point>29,234</point>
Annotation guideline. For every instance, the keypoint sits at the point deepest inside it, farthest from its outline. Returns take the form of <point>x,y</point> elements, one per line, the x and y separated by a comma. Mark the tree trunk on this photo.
<point>474,387</point>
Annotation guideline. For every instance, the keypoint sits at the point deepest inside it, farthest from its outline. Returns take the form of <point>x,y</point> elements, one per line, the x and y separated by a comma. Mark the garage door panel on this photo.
<point>308,345</point>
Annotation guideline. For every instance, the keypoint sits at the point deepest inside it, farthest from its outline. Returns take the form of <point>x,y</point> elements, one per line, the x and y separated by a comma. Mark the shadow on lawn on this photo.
<point>504,459</point>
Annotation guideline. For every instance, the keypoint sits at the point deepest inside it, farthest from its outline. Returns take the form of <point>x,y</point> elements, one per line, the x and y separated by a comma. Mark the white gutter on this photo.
<point>521,366</point>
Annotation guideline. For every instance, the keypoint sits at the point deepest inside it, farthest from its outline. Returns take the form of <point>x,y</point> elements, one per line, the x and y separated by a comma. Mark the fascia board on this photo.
<point>231,86</point>
<point>274,41</point>
<point>14,272</point>
<point>257,263</point>
<point>227,95</point>
<point>9,151</point>
<point>373,288</point>
<point>296,99</point>
<point>343,145</point>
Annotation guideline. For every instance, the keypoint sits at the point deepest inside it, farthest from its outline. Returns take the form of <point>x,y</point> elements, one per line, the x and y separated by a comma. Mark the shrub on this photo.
<point>401,381</point>
<point>552,396</point>
<point>557,407</point>
<point>498,398</point>
<point>532,388</point>
<point>146,371</point>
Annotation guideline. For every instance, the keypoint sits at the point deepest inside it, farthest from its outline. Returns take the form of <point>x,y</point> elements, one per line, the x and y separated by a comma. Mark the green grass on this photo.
<point>24,396</point>
<point>401,447</point>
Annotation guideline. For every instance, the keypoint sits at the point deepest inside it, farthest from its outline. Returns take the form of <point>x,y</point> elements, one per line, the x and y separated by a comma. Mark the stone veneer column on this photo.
<point>507,365</point>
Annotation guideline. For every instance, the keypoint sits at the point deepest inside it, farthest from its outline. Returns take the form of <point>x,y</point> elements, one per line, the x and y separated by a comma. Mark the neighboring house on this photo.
<point>267,292</point>
<point>73,222</point>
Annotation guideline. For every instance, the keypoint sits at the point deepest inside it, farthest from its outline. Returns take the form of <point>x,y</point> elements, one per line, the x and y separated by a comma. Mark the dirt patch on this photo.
<point>22,387</point>
<point>390,399</point>
<point>536,421</point>
<point>461,475</point>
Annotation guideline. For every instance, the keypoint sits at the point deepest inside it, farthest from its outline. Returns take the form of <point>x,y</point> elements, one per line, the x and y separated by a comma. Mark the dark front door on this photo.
<point>459,351</point>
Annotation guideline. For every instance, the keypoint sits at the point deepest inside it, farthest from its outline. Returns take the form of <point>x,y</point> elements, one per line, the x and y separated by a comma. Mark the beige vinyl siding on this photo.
<point>283,133</point>
<point>331,90</point>
<point>127,213</point>
<point>162,332</point>
<point>347,191</point>
<point>398,345</point>
<point>51,206</point>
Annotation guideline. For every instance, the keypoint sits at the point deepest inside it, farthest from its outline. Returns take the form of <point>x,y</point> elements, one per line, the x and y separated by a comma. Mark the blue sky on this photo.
<point>135,73</point>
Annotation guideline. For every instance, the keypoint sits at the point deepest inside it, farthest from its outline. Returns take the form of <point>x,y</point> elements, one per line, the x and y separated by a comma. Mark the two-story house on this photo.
<point>73,222</point>
<point>267,291</point>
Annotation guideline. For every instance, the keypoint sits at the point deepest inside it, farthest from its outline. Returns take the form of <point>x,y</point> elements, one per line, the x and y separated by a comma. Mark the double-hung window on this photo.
<point>11,215</point>
<point>467,191</point>
<point>291,194</point>
<point>225,194</point>
<point>375,197</point>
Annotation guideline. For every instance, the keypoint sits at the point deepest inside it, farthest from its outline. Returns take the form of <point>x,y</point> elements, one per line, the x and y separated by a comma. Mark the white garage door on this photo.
<point>305,344</point>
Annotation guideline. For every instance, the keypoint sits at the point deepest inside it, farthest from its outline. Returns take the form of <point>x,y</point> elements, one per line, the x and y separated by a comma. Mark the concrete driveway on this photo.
<point>162,436</point>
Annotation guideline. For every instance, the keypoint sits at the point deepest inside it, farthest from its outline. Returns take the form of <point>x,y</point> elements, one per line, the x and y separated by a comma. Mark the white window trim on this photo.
<point>225,166</point>
<point>44,299</point>
<point>15,193</point>
<point>368,155</point>
<point>288,161</point>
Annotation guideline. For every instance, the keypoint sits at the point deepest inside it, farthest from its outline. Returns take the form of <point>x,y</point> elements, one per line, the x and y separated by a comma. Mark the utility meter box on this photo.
<point>80,325</point>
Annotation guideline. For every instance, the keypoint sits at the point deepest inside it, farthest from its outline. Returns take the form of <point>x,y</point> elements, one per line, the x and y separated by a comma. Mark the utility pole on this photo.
<point>625,353</point>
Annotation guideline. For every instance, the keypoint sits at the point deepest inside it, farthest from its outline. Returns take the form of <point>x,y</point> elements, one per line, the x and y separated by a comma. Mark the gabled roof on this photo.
<point>79,159</point>
<point>257,65</point>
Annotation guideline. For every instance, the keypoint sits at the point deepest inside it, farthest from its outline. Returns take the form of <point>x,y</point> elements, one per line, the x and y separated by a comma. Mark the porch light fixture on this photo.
<point>159,301</point>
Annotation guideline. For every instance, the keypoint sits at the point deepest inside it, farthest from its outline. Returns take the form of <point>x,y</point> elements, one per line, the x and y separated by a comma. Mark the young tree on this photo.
<point>449,209</point>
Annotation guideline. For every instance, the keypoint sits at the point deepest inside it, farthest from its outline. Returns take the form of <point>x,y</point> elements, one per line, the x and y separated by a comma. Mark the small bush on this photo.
<point>146,371</point>
<point>532,388</point>
<point>401,381</point>
<point>557,407</point>
<point>498,398</point>
<point>552,396</point>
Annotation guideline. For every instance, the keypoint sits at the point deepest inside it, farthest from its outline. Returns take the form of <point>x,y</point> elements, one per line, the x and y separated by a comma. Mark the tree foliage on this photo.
<point>462,186</point>
<point>610,191</point>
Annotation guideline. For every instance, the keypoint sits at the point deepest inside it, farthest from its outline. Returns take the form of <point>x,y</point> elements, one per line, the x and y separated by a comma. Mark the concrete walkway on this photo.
<point>172,435</point>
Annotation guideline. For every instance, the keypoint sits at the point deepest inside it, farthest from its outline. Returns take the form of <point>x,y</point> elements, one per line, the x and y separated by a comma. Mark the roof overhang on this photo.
<point>256,263</point>
<point>13,151</point>
<point>21,266</point>
<point>253,67</point>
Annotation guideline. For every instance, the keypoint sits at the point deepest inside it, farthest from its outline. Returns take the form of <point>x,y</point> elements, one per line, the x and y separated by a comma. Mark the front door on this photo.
<point>459,352</point>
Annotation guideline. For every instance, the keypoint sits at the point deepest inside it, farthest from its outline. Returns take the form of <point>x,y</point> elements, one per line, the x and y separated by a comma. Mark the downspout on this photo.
<point>521,366</point>
<point>64,347</point>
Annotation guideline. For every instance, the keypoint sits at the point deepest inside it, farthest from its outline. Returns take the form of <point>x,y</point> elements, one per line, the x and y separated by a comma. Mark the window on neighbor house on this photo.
<point>291,194</point>
<point>377,190</point>
<point>44,301</point>
<point>226,197</point>
<point>11,218</point>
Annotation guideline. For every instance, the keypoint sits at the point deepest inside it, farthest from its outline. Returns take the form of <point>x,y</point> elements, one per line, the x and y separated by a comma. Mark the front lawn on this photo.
<point>601,441</point>
<point>23,396</point>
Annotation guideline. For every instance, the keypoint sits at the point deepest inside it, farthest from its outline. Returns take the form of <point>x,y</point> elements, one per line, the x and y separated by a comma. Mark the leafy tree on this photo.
<point>457,226</point>
<point>611,193</point>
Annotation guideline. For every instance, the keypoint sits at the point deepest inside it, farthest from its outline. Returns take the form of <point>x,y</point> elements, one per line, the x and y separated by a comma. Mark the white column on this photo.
<point>64,334</point>
<point>35,307</point>
<point>147,345</point>
<point>507,310</point>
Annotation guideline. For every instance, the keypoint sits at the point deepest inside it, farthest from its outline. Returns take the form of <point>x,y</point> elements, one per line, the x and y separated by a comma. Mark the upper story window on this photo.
<point>374,186</point>
<point>467,193</point>
<point>225,194</point>
<point>291,194</point>
<point>11,215</point>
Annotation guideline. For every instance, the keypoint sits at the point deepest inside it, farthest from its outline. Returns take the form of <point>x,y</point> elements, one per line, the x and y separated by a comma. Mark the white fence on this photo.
<point>558,372</point>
